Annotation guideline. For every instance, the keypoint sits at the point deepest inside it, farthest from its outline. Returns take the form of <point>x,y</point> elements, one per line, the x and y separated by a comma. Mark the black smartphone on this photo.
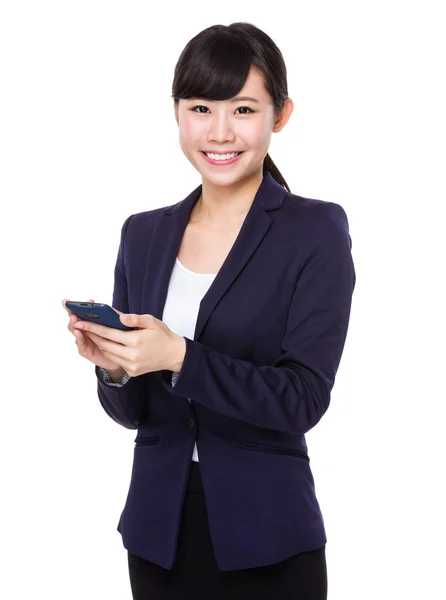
<point>97,313</point>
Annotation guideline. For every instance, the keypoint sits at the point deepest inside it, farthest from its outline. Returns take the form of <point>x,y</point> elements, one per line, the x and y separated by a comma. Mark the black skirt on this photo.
<point>195,575</point>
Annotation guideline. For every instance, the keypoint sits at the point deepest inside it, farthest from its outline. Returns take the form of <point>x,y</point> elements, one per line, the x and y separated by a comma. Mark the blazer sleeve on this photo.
<point>293,393</point>
<point>127,403</point>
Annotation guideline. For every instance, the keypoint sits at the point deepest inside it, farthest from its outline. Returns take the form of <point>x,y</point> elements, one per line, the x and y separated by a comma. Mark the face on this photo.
<point>227,126</point>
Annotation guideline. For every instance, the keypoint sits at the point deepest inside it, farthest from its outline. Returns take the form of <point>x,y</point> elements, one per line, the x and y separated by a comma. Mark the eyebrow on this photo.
<point>233,100</point>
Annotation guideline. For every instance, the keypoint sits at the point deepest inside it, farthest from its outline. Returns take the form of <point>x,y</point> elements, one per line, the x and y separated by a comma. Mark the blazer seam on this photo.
<point>124,232</point>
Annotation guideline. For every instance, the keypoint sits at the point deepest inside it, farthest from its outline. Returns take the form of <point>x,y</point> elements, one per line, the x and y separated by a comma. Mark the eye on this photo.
<point>247,108</point>
<point>202,106</point>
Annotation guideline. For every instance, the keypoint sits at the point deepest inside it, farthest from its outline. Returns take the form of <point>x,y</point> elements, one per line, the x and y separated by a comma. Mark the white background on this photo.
<point>88,137</point>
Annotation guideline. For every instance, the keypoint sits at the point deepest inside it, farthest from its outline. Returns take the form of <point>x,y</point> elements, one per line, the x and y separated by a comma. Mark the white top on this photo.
<point>186,289</point>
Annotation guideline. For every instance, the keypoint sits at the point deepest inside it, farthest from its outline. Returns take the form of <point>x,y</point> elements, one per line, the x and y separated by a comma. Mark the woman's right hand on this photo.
<point>89,350</point>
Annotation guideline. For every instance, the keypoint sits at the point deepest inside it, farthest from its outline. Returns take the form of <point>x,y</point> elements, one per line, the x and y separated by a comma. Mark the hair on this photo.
<point>215,64</point>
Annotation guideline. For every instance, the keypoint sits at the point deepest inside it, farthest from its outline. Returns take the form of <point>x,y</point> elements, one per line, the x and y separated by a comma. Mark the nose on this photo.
<point>220,129</point>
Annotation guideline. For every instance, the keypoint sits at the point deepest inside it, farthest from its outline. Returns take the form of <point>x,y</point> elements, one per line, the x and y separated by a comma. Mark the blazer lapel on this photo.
<point>166,240</point>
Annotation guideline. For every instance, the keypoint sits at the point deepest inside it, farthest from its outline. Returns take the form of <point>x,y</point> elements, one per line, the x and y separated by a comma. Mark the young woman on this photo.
<point>242,294</point>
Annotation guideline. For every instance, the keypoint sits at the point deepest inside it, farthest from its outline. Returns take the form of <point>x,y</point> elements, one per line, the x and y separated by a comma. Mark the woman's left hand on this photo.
<point>151,348</point>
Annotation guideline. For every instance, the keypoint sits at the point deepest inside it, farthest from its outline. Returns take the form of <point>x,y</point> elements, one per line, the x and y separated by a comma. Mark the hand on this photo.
<point>87,348</point>
<point>152,347</point>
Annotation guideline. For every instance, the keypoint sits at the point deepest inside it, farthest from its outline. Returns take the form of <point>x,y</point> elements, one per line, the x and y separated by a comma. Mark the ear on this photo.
<point>284,115</point>
<point>176,110</point>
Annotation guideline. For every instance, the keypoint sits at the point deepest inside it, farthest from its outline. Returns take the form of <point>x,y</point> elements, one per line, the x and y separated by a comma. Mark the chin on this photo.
<point>225,180</point>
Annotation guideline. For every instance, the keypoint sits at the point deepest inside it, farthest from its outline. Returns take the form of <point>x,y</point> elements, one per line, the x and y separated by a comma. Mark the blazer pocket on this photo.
<point>273,449</point>
<point>146,441</point>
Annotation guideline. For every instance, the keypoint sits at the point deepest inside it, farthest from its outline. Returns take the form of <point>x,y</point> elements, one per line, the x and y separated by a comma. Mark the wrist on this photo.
<point>116,374</point>
<point>178,354</point>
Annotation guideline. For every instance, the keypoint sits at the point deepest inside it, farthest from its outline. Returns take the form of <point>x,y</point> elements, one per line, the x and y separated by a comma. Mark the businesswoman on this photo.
<point>241,293</point>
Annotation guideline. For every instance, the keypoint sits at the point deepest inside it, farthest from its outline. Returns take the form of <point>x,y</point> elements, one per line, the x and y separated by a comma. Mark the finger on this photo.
<point>110,333</point>
<point>67,309</point>
<point>104,345</point>
<point>141,321</point>
<point>73,319</point>
<point>80,342</point>
<point>122,362</point>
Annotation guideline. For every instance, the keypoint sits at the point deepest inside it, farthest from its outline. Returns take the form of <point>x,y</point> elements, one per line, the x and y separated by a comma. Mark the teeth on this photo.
<point>222,156</point>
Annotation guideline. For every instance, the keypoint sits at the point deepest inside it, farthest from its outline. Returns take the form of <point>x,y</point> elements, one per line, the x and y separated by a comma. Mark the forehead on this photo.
<point>253,90</point>
<point>255,86</point>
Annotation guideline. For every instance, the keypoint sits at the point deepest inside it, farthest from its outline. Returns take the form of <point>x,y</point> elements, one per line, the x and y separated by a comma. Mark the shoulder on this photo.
<point>315,212</point>
<point>142,222</point>
<point>314,221</point>
<point>146,217</point>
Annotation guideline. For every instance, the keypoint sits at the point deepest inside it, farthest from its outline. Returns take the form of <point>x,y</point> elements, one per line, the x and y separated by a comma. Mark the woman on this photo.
<point>242,294</point>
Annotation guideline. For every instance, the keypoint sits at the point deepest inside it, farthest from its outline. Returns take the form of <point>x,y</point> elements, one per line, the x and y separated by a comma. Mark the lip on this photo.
<point>221,162</point>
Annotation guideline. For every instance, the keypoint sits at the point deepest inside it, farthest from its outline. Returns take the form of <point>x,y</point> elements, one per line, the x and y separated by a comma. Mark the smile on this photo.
<point>221,161</point>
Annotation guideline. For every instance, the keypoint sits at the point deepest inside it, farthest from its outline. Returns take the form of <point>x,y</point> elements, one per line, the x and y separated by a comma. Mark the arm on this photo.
<point>293,393</point>
<point>125,403</point>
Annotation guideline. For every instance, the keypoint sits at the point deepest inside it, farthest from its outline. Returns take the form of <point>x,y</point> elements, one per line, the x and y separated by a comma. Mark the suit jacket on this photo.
<point>268,341</point>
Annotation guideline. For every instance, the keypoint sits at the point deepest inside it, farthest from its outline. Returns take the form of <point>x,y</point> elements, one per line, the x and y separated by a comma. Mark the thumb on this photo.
<point>141,321</point>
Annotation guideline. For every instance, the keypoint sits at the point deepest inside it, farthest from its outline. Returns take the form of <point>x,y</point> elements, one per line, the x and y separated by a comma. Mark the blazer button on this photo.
<point>191,423</point>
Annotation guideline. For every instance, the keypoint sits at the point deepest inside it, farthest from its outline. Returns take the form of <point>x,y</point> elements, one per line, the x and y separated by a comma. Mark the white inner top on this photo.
<point>193,272</point>
<point>186,289</point>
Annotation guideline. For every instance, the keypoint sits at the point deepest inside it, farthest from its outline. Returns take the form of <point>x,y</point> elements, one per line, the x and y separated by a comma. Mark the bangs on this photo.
<point>214,70</point>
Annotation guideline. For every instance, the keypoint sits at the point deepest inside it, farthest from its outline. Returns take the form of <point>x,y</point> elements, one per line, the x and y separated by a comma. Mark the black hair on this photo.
<point>215,65</point>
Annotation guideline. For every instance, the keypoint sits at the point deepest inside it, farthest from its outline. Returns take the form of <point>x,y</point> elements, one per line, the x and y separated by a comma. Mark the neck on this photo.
<point>219,204</point>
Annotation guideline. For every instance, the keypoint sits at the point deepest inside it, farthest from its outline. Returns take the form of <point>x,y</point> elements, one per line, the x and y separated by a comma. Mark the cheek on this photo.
<point>257,140</point>
<point>256,134</point>
<point>190,130</point>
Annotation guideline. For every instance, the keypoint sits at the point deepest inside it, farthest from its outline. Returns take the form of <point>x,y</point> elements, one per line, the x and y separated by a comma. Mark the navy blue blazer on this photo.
<point>268,341</point>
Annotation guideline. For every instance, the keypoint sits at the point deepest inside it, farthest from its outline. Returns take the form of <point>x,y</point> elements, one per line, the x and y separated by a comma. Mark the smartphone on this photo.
<point>97,313</point>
